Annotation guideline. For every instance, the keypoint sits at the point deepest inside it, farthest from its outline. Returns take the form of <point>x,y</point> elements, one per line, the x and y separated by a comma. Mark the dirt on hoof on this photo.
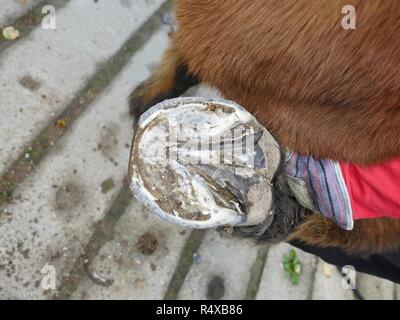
<point>147,243</point>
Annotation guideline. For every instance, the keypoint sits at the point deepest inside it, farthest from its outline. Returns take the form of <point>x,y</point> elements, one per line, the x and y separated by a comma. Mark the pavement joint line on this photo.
<point>256,272</point>
<point>44,142</point>
<point>26,23</point>
<point>103,233</point>
<point>184,264</point>
<point>312,282</point>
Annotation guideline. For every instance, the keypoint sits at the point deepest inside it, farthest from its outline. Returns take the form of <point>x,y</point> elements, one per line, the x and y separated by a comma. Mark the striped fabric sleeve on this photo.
<point>325,184</point>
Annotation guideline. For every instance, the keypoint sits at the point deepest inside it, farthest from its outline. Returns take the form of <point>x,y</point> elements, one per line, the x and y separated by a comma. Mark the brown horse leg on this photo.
<point>368,236</point>
<point>170,79</point>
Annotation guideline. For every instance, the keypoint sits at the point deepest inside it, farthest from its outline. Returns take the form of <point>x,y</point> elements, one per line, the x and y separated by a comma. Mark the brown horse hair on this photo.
<point>320,89</point>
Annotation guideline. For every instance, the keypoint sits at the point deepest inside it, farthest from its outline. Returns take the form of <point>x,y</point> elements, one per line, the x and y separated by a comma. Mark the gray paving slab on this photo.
<point>328,284</point>
<point>136,271</point>
<point>221,268</point>
<point>374,288</point>
<point>41,74</point>
<point>276,285</point>
<point>56,207</point>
